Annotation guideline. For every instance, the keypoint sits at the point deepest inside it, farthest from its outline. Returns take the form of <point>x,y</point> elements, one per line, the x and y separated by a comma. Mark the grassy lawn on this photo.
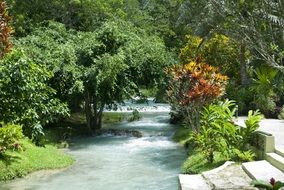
<point>32,158</point>
<point>197,163</point>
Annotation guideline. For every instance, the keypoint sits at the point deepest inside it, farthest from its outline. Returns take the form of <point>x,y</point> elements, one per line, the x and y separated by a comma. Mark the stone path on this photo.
<point>229,176</point>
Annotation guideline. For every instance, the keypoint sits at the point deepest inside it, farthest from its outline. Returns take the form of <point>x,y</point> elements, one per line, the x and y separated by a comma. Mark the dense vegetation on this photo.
<point>60,58</point>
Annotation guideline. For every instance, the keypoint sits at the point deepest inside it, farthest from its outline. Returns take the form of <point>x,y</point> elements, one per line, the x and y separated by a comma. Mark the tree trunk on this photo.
<point>88,110</point>
<point>243,66</point>
<point>98,114</point>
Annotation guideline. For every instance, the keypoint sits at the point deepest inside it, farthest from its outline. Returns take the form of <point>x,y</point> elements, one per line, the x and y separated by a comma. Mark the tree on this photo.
<point>117,59</point>
<point>5,30</point>
<point>97,68</point>
<point>258,25</point>
<point>219,51</point>
<point>83,15</point>
<point>25,98</point>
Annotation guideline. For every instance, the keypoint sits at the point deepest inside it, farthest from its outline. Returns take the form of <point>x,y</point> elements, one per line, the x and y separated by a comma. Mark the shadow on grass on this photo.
<point>8,159</point>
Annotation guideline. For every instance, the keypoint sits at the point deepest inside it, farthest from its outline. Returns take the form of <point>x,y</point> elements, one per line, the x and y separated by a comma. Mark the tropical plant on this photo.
<point>191,87</point>
<point>272,185</point>
<point>263,88</point>
<point>219,133</point>
<point>252,124</point>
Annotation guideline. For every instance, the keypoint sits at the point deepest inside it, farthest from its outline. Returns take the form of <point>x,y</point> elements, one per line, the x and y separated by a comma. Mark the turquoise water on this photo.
<point>118,163</point>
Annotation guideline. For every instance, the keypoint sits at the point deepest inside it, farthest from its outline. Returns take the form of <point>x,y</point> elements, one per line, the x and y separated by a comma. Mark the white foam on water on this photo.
<point>151,106</point>
<point>150,142</point>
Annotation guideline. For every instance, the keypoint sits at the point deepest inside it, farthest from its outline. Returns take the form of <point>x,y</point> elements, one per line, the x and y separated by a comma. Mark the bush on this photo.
<point>193,86</point>
<point>243,97</point>
<point>281,114</point>
<point>263,87</point>
<point>10,135</point>
<point>219,134</point>
<point>271,185</point>
<point>25,97</point>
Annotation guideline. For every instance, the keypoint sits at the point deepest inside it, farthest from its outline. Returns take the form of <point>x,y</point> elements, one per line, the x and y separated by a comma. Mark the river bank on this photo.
<point>32,158</point>
<point>119,162</point>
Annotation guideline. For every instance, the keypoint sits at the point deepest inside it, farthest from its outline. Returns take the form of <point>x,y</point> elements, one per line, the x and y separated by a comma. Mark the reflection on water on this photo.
<point>117,163</point>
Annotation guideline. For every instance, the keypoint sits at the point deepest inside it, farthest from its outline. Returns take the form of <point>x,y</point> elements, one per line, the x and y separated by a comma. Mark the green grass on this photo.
<point>75,126</point>
<point>108,117</point>
<point>182,135</point>
<point>32,158</point>
<point>113,117</point>
<point>197,163</point>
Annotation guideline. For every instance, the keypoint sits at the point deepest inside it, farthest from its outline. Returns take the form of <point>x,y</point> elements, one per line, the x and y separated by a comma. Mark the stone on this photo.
<point>262,170</point>
<point>193,182</point>
<point>229,176</point>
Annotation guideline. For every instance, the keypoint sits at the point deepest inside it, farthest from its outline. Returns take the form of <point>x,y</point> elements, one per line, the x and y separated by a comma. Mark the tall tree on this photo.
<point>258,25</point>
<point>100,68</point>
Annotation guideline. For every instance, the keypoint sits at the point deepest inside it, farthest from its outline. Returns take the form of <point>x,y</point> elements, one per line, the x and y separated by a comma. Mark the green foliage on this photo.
<point>219,134</point>
<point>135,116</point>
<point>252,124</point>
<point>25,98</point>
<point>32,158</point>
<point>281,114</point>
<point>113,117</point>
<point>243,156</point>
<point>272,185</point>
<point>242,95</point>
<point>263,88</point>
<point>98,68</point>
<point>10,136</point>
<point>256,24</point>
<point>181,135</point>
<point>197,163</point>
<point>83,15</point>
<point>218,50</point>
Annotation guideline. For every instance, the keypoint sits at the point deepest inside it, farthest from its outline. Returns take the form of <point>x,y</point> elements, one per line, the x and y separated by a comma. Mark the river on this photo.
<point>108,162</point>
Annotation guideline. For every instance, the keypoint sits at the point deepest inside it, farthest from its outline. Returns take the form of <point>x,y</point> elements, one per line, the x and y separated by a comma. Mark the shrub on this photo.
<point>281,114</point>
<point>219,134</point>
<point>25,97</point>
<point>192,86</point>
<point>263,87</point>
<point>10,135</point>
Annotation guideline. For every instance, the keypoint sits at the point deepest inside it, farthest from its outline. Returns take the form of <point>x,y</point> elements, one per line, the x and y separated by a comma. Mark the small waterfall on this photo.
<point>148,106</point>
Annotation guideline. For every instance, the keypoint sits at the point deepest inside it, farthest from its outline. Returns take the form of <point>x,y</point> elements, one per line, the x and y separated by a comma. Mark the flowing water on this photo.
<point>117,163</point>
